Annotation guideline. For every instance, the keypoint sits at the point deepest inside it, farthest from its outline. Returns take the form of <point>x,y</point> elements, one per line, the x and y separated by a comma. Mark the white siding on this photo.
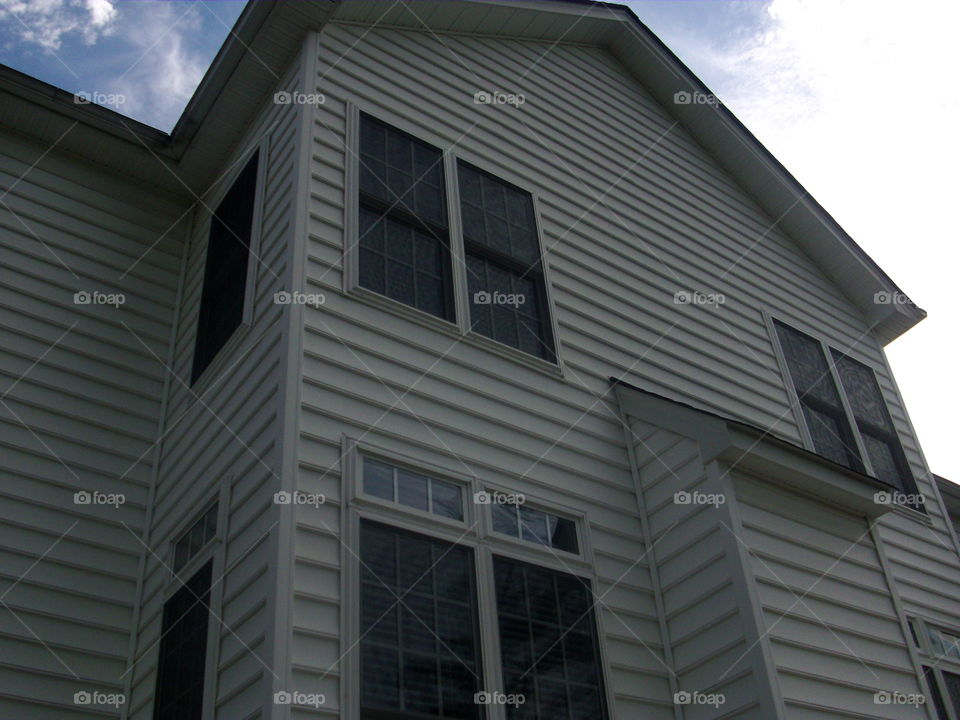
<point>833,627</point>
<point>82,401</point>
<point>231,434</point>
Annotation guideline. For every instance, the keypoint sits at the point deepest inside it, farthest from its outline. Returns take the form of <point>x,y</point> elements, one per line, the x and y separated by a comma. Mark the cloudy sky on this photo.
<point>855,97</point>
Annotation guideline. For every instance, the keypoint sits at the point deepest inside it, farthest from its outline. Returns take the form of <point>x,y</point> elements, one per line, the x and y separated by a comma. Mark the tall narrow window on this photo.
<point>507,290</point>
<point>418,647</point>
<point>404,235</point>
<point>548,643</point>
<point>225,273</point>
<point>183,650</point>
<point>874,423</point>
<point>819,398</point>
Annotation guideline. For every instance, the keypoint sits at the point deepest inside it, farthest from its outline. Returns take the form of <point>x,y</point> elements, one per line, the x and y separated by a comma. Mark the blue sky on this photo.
<point>855,97</point>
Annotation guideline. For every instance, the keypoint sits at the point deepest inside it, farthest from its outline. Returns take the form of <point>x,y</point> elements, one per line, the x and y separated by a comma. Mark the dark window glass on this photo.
<point>548,643</point>
<point>952,682</point>
<point>225,272</point>
<point>935,694</point>
<point>404,238</point>
<point>873,420</point>
<point>504,271</point>
<point>419,648</point>
<point>535,526</point>
<point>412,489</point>
<point>195,538</point>
<point>183,650</point>
<point>819,398</point>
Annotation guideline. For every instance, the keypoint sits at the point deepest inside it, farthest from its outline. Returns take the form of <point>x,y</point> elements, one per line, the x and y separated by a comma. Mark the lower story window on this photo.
<point>183,650</point>
<point>419,648</point>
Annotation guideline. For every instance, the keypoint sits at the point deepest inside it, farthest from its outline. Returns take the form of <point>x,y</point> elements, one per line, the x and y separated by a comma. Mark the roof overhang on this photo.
<point>739,446</point>
<point>268,35</point>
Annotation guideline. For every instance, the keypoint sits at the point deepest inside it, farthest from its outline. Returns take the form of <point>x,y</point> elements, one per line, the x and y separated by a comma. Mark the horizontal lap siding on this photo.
<point>230,434</point>
<point>83,399</point>
<point>834,632</point>
<point>699,568</point>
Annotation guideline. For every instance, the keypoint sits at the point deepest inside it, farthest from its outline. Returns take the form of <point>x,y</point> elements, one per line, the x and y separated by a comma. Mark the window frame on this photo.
<point>215,551</point>
<point>795,403</point>
<point>204,213</point>
<point>937,663</point>
<point>459,328</point>
<point>474,533</point>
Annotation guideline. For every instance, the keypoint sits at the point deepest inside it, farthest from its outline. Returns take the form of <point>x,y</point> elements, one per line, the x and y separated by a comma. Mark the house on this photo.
<point>450,360</point>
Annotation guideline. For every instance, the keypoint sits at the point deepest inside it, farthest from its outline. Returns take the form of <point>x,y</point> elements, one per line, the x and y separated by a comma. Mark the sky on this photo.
<point>855,97</point>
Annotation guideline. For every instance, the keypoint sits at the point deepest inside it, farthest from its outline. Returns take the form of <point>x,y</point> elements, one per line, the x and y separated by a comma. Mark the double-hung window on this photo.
<point>939,651</point>
<point>844,410</point>
<point>428,596</point>
<point>406,247</point>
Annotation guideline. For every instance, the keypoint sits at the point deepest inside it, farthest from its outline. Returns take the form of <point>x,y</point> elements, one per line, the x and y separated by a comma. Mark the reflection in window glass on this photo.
<point>536,526</point>
<point>412,489</point>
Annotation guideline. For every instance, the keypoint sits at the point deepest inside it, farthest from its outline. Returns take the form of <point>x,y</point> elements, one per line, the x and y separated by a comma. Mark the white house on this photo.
<point>450,360</point>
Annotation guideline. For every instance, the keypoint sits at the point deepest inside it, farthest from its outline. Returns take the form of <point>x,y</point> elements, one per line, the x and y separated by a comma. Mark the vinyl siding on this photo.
<point>230,435</point>
<point>833,627</point>
<point>82,400</point>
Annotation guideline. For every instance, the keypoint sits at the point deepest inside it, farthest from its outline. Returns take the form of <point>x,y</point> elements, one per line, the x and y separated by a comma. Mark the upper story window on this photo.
<point>525,523</point>
<point>844,410</point>
<point>225,273</point>
<point>203,530</point>
<point>505,280</point>
<point>941,667</point>
<point>412,489</point>
<point>404,237</point>
<point>407,252</point>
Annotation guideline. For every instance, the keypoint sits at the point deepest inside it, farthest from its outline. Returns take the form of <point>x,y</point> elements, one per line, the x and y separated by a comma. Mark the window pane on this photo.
<point>225,271</point>
<point>498,215</point>
<point>447,500</point>
<point>934,691</point>
<point>533,526</point>
<point>421,656</point>
<point>563,534</point>
<point>203,530</point>
<point>952,682</point>
<point>183,650</point>
<point>505,519</point>
<point>863,392</point>
<point>881,458</point>
<point>547,654</point>
<point>829,438</point>
<point>412,490</point>
<point>808,367</point>
<point>377,479</point>
<point>505,306</point>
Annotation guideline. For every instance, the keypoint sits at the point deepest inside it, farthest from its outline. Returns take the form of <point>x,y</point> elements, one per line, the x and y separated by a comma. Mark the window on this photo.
<point>505,279</point>
<point>195,538</point>
<point>404,236</point>
<point>183,650</point>
<point>412,489</point>
<point>225,273</point>
<point>519,521</point>
<point>873,421</point>
<point>819,399</point>
<point>940,658</point>
<point>418,647</point>
<point>405,247</point>
<point>548,642</point>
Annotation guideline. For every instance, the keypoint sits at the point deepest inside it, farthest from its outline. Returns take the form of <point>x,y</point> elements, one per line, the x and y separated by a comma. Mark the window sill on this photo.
<point>454,331</point>
<point>911,514</point>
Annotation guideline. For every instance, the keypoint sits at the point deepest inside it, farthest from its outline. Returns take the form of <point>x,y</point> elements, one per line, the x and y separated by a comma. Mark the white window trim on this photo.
<point>460,327</point>
<point>223,185</point>
<point>215,549</point>
<point>475,533</point>
<point>936,662</point>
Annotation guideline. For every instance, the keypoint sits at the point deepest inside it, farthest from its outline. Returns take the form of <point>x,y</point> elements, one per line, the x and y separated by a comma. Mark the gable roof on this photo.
<point>267,36</point>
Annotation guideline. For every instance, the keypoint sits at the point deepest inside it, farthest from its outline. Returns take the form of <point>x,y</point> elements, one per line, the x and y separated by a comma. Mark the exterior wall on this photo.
<point>834,629</point>
<point>224,435</point>
<point>81,390</point>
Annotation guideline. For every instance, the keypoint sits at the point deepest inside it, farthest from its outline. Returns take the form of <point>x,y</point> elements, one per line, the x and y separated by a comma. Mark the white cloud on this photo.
<point>45,22</point>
